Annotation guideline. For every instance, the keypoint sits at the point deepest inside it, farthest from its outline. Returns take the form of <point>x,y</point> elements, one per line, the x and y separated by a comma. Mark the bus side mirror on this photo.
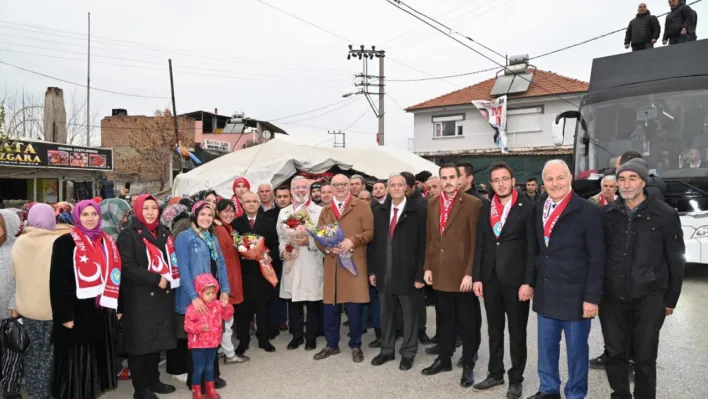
<point>557,132</point>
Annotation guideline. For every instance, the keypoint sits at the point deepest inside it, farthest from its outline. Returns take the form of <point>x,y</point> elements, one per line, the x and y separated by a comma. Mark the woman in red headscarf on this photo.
<point>147,298</point>
<point>241,186</point>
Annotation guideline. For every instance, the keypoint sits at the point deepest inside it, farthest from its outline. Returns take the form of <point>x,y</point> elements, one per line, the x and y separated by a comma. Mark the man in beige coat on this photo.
<point>451,231</point>
<point>341,286</point>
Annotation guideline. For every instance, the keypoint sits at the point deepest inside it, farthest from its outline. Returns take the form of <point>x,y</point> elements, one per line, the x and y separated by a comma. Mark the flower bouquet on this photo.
<point>252,247</point>
<point>330,236</point>
<point>293,229</point>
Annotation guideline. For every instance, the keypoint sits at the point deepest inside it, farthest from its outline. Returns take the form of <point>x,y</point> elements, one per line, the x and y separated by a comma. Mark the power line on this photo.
<point>356,120</point>
<point>79,84</point>
<point>395,101</point>
<point>328,112</point>
<point>307,112</point>
<point>443,77</point>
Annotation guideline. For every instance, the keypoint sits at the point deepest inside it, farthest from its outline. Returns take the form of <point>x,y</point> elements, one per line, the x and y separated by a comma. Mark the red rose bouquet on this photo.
<point>293,229</point>
<point>252,247</point>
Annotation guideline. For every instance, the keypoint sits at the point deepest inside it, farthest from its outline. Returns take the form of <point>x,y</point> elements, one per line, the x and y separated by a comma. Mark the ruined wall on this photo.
<point>54,115</point>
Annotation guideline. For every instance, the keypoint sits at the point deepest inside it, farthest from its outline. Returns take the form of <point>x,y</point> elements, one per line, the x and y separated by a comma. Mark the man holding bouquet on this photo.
<point>345,273</point>
<point>302,264</point>
<point>451,238</point>
<point>257,289</point>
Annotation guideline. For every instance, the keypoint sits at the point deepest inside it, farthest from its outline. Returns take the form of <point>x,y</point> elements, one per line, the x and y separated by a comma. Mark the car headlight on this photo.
<point>700,232</point>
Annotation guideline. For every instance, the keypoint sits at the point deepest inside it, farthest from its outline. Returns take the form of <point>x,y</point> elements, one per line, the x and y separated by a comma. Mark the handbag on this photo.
<point>14,336</point>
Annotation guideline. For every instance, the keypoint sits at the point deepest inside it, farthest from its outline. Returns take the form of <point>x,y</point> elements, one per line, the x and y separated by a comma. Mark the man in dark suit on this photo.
<point>505,246</point>
<point>257,291</point>
<point>398,253</point>
<point>568,274</point>
<point>451,231</point>
<point>467,180</point>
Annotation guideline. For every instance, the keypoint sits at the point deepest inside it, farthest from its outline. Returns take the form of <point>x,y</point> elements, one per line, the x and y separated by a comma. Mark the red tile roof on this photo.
<point>544,83</point>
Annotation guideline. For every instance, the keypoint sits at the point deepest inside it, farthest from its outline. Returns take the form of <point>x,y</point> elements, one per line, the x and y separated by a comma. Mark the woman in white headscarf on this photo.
<point>10,362</point>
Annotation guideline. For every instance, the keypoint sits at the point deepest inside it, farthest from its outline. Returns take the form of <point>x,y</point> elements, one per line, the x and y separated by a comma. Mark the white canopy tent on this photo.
<point>278,160</point>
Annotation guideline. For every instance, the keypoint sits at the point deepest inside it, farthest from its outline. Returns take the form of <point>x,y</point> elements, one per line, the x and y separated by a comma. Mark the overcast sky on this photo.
<point>244,55</point>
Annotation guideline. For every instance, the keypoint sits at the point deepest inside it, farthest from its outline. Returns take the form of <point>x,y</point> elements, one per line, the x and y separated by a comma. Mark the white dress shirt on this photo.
<point>400,208</point>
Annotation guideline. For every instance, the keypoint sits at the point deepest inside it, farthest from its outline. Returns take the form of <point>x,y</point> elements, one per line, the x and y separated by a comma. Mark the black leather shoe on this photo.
<point>240,350</point>
<point>437,367</point>
<point>381,359</point>
<point>357,355</point>
<point>423,338</point>
<point>146,394</point>
<point>433,350</point>
<point>540,395</point>
<point>162,389</point>
<point>326,352</point>
<point>515,390</point>
<point>295,343</point>
<point>267,346</point>
<point>406,364</point>
<point>311,344</point>
<point>488,384</point>
<point>375,344</point>
<point>467,379</point>
<point>219,383</point>
<point>435,339</point>
<point>599,362</point>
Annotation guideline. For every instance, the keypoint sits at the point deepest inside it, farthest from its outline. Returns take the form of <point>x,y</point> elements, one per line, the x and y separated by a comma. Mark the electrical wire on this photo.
<point>79,84</point>
<point>443,77</point>
<point>356,120</point>
<point>328,112</point>
<point>395,101</point>
<point>307,112</point>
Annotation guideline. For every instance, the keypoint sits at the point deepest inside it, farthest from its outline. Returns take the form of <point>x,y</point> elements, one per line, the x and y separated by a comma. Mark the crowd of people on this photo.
<point>104,281</point>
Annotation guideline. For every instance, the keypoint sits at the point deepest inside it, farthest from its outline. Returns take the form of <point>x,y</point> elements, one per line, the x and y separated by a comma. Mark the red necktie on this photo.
<point>252,222</point>
<point>392,226</point>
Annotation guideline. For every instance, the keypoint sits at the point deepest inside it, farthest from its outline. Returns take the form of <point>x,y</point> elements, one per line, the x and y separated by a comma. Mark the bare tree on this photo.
<point>24,118</point>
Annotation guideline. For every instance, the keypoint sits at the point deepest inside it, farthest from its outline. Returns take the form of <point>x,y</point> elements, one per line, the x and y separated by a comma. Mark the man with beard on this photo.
<point>451,234</point>
<point>282,197</point>
<point>432,187</point>
<point>567,274</point>
<point>265,194</point>
<point>301,282</point>
<point>643,238</point>
<point>397,271</point>
<point>316,193</point>
<point>379,192</point>
<point>467,180</point>
<point>327,193</point>
<point>505,246</point>
<point>420,180</point>
<point>240,187</point>
<point>257,291</point>
<point>342,287</point>
<point>356,184</point>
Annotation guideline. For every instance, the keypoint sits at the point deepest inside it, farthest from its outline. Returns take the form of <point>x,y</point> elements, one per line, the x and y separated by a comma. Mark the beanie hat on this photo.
<point>636,165</point>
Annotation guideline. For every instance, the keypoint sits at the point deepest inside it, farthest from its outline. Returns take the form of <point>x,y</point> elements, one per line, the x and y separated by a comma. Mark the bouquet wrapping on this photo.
<point>252,247</point>
<point>293,229</point>
<point>330,236</point>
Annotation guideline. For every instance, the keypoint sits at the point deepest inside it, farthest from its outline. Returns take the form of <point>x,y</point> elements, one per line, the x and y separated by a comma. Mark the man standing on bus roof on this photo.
<point>680,25</point>
<point>643,31</point>
<point>643,278</point>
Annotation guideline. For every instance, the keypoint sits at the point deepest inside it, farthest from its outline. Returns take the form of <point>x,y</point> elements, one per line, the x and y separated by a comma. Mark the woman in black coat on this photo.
<point>146,296</point>
<point>84,317</point>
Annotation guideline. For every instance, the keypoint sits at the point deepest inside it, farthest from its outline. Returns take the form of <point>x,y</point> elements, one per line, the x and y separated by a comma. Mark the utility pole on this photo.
<point>337,143</point>
<point>174,107</point>
<point>366,55</point>
<point>88,88</point>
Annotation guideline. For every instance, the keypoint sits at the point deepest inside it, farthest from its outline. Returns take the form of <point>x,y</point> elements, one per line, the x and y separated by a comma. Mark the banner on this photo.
<point>495,113</point>
<point>41,154</point>
<point>216,145</point>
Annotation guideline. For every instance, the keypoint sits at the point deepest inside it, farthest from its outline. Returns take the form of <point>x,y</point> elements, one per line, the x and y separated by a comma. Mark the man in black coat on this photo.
<point>505,248</point>
<point>643,278</point>
<point>680,25</point>
<point>257,291</point>
<point>643,31</point>
<point>568,276</point>
<point>398,250</point>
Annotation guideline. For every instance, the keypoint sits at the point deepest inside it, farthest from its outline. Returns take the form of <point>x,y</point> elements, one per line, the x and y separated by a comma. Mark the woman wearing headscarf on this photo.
<point>112,212</point>
<point>150,276</point>
<point>31,261</point>
<point>240,187</point>
<point>10,362</point>
<point>198,252</point>
<point>84,282</point>
<point>225,212</point>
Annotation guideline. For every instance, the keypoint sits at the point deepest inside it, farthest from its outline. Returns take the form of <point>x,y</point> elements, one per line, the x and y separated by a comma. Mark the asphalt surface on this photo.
<point>683,355</point>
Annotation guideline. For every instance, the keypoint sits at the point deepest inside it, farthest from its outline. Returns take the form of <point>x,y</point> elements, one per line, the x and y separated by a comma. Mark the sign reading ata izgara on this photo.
<point>39,154</point>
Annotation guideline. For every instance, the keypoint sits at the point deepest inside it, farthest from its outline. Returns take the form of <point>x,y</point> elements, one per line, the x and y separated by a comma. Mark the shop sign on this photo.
<point>40,154</point>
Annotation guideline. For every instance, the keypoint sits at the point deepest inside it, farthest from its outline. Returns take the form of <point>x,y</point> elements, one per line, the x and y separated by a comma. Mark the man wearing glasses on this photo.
<point>505,246</point>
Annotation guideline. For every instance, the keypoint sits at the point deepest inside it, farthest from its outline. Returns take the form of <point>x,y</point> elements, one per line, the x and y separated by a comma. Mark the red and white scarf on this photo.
<point>97,273</point>
<point>498,219</point>
<point>156,260</point>
<point>237,205</point>
<point>335,208</point>
<point>304,205</point>
<point>550,218</point>
<point>604,201</point>
<point>446,208</point>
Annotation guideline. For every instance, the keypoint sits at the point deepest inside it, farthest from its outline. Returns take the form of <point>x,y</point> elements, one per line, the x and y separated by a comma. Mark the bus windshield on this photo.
<point>669,129</point>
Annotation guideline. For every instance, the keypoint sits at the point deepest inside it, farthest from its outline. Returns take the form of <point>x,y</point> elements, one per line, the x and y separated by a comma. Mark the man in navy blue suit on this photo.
<point>568,275</point>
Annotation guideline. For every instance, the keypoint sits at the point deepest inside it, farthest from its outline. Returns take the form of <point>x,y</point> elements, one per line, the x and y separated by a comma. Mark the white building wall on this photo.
<point>525,129</point>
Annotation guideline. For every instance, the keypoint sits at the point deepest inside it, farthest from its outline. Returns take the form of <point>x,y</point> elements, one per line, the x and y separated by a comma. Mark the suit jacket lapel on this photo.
<point>513,214</point>
<point>349,206</point>
<point>456,206</point>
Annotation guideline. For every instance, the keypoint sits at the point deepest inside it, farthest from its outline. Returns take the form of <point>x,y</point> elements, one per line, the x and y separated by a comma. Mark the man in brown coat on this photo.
<point>451,234</point>
<point>341,286</point>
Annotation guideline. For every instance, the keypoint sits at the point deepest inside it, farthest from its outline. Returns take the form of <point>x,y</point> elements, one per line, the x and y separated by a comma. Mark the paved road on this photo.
<point>683,355</point>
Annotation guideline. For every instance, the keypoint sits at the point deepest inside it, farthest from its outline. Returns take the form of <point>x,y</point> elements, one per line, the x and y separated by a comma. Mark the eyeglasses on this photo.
<point>504,179</point>
<point>339,185</point>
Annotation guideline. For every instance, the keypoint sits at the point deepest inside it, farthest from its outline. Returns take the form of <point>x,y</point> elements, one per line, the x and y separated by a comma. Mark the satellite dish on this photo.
<point>266,135</point>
